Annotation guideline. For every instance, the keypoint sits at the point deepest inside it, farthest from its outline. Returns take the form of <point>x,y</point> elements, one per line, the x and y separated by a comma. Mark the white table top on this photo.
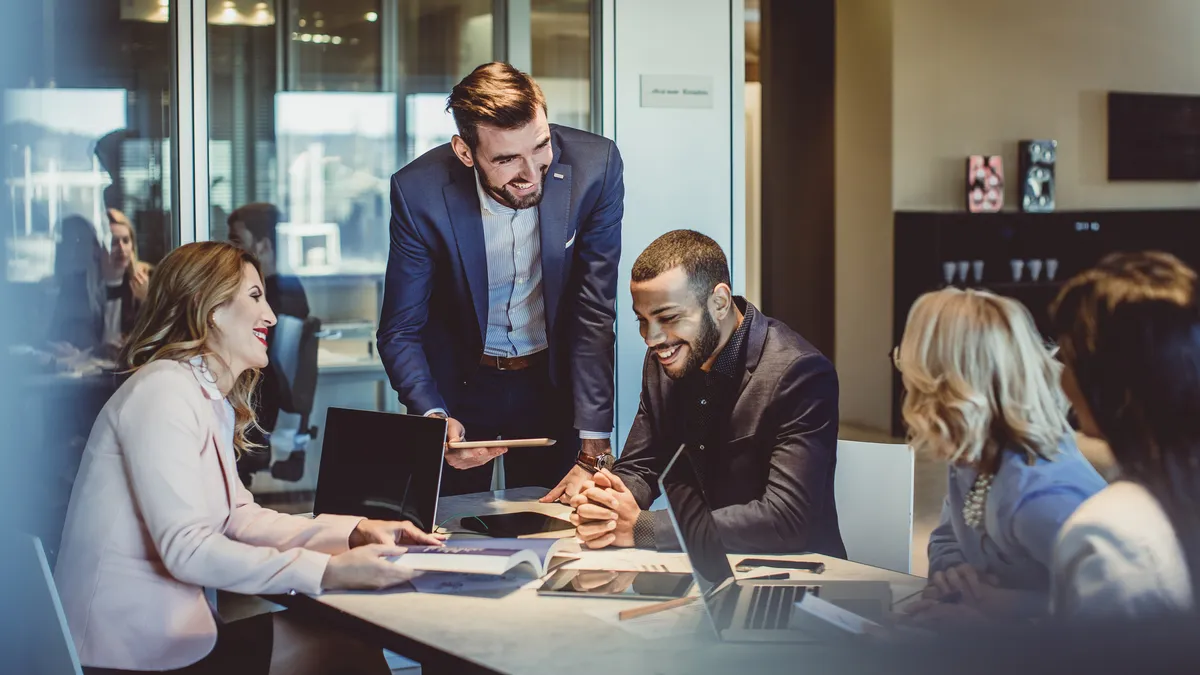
<point>520,632</point>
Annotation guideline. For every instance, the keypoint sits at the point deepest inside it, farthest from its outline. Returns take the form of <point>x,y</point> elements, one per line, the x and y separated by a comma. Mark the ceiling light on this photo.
<point>372,17</point>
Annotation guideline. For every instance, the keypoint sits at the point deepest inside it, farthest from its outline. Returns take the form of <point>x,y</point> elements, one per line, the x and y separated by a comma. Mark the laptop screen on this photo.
<point>381,465</point>
<point>694,523</point>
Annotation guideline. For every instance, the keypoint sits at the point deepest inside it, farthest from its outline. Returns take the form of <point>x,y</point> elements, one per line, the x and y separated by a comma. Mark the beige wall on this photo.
<point>976,77</point>
<point>863,193</point>
<point>921,84</point>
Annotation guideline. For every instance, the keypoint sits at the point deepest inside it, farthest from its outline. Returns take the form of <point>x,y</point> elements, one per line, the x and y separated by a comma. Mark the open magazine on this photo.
<point>535,557</point>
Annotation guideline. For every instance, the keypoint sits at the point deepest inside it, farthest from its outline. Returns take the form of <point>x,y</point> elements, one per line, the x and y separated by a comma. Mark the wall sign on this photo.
<point>677,91</point>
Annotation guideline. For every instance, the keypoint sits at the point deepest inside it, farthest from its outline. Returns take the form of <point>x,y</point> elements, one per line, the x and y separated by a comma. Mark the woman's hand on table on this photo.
<point>365,568</point>
<point>392,532</point>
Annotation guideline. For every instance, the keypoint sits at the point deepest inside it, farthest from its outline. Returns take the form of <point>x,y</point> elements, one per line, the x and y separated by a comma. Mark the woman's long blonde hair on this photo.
<point>978,380</point>
<point>176,319</point>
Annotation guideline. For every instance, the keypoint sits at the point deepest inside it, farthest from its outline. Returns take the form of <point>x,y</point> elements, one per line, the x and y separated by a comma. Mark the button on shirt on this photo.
<point>516,323</point>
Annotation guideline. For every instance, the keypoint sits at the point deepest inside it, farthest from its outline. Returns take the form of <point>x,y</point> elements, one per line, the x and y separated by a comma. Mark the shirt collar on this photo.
<point>487,202</point>
<point>732,354</point>
<point>205,377</point>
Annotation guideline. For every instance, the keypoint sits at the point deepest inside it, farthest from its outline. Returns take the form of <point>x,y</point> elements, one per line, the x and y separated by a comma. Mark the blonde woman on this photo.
<point>158,519</point>
<point>982,395</point>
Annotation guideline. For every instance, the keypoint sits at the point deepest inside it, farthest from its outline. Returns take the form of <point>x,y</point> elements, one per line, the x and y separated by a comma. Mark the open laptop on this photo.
<point>748,610</point>
<point>381,465</point>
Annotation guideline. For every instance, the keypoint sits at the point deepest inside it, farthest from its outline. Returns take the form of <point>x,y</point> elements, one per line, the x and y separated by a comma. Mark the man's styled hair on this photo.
<point>261,219</point>
<point>496,94</point>
<point>700,257</point>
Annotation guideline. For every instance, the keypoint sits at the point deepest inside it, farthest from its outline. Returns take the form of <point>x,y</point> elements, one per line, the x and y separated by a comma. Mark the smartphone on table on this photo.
<point>749,564</point>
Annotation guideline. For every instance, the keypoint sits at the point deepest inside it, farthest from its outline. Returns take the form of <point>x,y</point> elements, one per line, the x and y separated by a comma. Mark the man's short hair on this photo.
<point>495,94</point>
<point>261,219</point>
<point>700,257</point>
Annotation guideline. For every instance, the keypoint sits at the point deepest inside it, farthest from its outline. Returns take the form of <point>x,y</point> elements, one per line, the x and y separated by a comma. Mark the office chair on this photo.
<point>294,358</point>
<point>34,637</point>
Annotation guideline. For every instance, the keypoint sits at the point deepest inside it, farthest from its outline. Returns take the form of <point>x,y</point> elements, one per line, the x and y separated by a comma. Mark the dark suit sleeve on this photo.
<point>597,254</point>
<point>406,291</point>
<point>804,411</point>
<point>643,460</point>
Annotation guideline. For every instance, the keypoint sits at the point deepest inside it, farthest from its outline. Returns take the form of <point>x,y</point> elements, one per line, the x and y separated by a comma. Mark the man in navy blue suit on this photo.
<point>500,293</point>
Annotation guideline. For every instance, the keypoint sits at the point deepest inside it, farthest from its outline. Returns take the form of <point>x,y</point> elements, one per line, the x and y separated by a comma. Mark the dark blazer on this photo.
<point>434,318</point>
<point>770,483</point>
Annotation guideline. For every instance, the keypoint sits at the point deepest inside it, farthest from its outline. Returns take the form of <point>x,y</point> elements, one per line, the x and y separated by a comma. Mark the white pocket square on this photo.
<point>571,240</point>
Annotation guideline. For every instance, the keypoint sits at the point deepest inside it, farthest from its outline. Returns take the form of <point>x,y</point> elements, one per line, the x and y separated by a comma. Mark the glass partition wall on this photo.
<point>312,105</point>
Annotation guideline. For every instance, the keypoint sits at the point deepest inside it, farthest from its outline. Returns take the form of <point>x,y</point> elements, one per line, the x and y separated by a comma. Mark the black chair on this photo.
<point>294,360</point>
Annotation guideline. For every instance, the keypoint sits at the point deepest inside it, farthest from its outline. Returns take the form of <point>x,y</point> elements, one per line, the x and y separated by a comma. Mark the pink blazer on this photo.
<point>157,513</point>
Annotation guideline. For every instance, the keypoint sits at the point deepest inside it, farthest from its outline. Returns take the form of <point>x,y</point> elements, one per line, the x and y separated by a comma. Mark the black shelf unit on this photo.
<point>1077,239</point>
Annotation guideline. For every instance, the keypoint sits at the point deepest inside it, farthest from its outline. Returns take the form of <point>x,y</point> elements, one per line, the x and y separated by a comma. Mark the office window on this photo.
<point>561,34</point>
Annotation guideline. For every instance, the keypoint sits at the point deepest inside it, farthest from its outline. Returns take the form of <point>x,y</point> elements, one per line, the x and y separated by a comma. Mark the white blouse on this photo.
<point>1117,557</point>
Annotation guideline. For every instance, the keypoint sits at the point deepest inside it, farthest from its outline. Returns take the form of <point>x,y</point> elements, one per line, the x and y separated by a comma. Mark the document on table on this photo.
<point>454,582</point>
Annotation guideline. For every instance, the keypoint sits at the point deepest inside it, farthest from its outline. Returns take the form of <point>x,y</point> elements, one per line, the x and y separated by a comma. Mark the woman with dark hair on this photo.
<point>1129,338</point>
<point>158,519</point>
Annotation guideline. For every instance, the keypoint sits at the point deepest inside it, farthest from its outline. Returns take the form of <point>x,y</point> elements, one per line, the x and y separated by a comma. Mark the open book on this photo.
<point>491,556</point>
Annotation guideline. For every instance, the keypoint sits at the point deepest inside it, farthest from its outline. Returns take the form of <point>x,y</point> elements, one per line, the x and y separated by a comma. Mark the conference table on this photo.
<point>515,631</point>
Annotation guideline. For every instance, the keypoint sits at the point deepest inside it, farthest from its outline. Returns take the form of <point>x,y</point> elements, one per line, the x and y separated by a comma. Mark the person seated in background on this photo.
<point>1129,337</point>
<point>99,302</point>
<point>157,518</point>
<point>982,395</point>
<point>254,228</point>
<point>754,402</point>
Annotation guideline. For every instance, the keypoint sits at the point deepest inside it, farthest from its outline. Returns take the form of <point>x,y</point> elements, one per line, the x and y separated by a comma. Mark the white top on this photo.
<point>1117,557</point>
<point>112,315</point>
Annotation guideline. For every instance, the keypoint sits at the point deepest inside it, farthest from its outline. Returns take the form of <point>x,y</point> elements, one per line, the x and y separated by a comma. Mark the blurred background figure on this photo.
<point>254,228</point>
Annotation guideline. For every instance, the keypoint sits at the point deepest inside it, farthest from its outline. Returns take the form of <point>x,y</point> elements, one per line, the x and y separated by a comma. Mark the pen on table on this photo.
<point>627,614</point>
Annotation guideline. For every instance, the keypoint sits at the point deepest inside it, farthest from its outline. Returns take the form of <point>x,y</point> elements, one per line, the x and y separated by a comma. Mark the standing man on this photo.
<point>500,293</point>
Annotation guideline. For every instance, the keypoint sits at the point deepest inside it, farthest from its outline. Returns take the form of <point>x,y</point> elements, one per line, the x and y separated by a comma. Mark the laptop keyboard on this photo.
<point>771,607</point>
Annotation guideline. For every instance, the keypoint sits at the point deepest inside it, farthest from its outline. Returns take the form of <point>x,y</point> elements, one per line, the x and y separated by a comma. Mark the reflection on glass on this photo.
<point>562,59</point>
<point>335,153</point>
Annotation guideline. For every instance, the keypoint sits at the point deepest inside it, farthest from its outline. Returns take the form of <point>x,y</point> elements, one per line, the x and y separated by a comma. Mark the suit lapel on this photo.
<point>462,203</point>
<point>554,218</point>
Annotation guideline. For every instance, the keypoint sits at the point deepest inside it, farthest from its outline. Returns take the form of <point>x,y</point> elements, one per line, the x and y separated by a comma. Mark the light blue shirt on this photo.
<point>1025,508</point>
<point>516,323</point>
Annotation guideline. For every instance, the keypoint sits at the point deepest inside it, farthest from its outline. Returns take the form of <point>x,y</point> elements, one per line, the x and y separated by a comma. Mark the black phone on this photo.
<point>508,525</point>
<point>804,565</point>
<point>626,585</point>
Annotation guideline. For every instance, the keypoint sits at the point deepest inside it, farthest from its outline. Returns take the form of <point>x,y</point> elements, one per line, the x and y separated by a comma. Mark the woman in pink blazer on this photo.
<point>158,519</point>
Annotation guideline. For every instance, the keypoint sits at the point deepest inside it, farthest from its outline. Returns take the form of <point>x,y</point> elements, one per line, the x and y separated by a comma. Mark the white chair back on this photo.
<point>873,487</point>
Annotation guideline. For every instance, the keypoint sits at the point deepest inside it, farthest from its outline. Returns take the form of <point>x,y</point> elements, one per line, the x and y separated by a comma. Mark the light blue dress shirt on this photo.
<point>516,322</point>
<point>1025,508</point>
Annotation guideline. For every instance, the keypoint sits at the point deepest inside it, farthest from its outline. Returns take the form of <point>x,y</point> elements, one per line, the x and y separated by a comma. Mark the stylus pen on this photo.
<point>627,614</point>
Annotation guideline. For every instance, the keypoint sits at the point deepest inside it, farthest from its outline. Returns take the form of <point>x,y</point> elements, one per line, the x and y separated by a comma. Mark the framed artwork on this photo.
<point>985,183</point>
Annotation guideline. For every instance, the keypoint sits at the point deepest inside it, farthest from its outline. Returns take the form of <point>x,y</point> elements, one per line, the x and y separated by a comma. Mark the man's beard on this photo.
<point>505,196</point>
<point>702,349</point>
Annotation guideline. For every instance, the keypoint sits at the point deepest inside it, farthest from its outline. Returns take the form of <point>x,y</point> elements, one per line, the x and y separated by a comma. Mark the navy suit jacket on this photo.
<point>434,318</point>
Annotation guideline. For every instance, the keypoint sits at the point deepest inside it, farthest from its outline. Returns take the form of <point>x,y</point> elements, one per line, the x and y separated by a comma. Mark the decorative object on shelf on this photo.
<point>1051,269</point>
<point>977,268</point>
<point>1036,166</point>
<point>1035,270</point>
<point>985,183</point>
<point>963,268</point>
<point>948,272</point>
<point>1018,266</point>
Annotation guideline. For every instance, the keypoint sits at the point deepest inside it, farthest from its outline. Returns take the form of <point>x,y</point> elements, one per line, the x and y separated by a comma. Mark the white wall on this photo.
<point>863,215</point>
<point>684,168</point>
<point>975,78</point>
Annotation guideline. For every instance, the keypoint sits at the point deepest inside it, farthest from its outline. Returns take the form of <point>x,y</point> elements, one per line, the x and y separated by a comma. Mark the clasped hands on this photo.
<point>605,511</point>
